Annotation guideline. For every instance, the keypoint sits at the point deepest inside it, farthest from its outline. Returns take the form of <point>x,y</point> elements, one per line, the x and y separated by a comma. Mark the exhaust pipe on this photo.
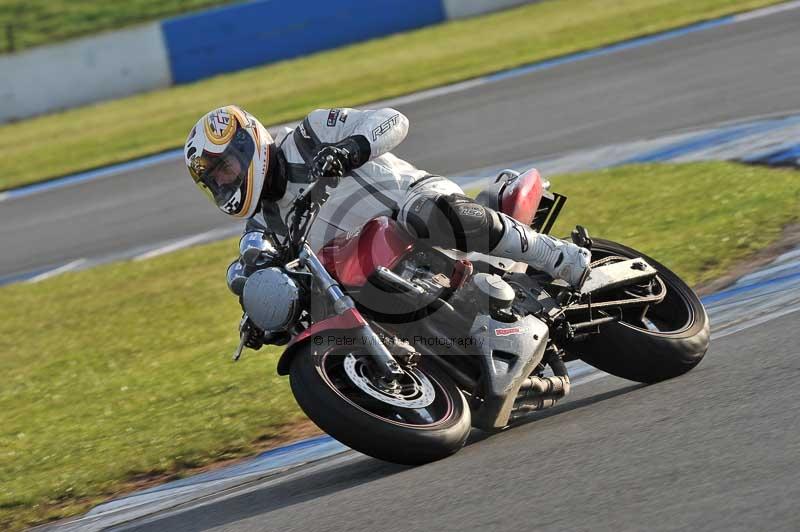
<point>538,393</point>
<point>555,387</point>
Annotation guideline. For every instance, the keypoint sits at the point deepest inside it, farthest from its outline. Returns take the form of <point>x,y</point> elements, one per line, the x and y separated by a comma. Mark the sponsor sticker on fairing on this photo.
<point>508,331</point>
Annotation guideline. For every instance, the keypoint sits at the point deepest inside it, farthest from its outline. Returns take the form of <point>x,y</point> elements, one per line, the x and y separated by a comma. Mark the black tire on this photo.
<point>369,433</point>
<point>638,354</point>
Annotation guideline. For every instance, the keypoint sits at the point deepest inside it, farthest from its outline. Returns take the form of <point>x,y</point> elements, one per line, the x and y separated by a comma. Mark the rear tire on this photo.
<point>633,352</point>
<point>394,440</point>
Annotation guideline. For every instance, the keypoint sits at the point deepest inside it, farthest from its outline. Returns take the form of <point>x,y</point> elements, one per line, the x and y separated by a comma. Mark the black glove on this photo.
<point>332,162</point>
<point>254,337</point>
<point>329,165</point>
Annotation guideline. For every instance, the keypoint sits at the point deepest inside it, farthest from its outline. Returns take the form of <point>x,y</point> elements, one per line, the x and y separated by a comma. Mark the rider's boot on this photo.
<point>557,258</point>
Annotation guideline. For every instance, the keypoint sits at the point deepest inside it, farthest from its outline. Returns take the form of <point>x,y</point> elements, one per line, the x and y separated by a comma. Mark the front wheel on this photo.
<point>422,418</point>
<point>667,340</point>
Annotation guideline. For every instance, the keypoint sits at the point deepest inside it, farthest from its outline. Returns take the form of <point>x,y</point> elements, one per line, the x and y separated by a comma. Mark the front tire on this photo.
<point>325,390</point>
<point>673,339</point>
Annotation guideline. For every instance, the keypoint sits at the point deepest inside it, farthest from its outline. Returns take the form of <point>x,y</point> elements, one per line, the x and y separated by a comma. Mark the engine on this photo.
<point>420,276</point>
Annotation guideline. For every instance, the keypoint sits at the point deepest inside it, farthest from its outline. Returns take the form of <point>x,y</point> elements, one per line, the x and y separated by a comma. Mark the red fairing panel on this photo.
<point>353,257</point>
<point>520,198</point>
<point>350,319</point>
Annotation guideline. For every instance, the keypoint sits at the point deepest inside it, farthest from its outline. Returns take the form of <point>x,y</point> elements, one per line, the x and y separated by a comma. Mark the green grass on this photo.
<point>698,218</point>
<point>124,370</point>
<point>38,22</point>
<point>120,130</point>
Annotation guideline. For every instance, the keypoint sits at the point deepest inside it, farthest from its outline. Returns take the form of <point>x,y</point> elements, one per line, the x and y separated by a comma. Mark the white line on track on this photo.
<point>208,236</point>
<point>593,376</point>
<point>753,322</point>
<point>56,271</point>
<point>767,11</point>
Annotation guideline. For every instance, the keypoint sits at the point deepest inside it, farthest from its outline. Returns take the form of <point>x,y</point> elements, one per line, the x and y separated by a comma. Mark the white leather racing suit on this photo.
<point>430,207</point>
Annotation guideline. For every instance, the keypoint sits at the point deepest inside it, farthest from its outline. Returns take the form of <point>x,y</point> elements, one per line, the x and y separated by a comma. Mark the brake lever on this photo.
<point>243,333</point>
<point>328,164</point>
<point>238,353</point>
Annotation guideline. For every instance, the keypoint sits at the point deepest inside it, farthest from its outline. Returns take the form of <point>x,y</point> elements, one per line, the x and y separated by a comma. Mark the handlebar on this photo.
<point>329,160</point>
<point>307,204</point>
<point>307,193</point>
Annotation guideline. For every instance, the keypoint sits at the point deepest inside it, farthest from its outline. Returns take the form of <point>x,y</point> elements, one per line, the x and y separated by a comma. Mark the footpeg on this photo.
<point>580,237</point>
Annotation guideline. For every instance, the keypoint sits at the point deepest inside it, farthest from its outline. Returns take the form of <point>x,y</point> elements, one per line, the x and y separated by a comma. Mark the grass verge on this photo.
<point>35,22</point>
<point>122,372</point>
<point>115,131</point>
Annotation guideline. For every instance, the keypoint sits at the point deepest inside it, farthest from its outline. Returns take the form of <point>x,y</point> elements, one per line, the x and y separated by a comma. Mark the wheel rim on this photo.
<point>418,401</point>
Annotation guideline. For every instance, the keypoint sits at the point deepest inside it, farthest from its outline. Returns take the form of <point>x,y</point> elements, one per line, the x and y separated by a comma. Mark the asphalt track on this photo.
<point>724,73</point>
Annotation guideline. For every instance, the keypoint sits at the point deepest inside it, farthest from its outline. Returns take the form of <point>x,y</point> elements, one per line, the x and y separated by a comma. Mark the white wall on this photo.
<point>468,8</point>
<point>101,67</point>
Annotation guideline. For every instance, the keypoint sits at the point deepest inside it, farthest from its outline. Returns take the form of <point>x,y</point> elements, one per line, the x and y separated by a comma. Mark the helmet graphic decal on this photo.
<point>220,126</point>
<point>234,204</point>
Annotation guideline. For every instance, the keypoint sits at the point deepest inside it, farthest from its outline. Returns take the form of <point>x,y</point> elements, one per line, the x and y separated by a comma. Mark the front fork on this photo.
<point>386,363</point>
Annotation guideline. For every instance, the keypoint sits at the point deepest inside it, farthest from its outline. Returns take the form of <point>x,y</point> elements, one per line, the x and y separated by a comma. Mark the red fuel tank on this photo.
<point>351,258</point>
<point>521,196</point>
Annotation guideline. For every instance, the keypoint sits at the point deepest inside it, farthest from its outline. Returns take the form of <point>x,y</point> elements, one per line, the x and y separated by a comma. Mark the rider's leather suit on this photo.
<point>430,207</point>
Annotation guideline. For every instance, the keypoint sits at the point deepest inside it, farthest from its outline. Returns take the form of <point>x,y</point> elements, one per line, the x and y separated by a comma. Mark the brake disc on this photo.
<point>419,393</point>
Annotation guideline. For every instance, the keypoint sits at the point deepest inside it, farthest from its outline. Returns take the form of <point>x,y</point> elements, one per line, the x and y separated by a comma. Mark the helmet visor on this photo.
<point>224,174</point>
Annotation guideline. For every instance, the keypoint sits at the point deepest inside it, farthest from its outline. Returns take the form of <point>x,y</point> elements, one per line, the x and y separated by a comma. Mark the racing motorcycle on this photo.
<point>397,349</point>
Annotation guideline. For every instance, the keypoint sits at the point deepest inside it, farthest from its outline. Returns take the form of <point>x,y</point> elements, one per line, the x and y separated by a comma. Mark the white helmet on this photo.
<point>227,154</point>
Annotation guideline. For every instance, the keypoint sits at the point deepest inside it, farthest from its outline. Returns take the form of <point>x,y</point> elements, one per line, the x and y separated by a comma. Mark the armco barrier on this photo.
<point>246,35</point>
<point>455,9</point>
<point>204,44</point>
<point>82,71</point>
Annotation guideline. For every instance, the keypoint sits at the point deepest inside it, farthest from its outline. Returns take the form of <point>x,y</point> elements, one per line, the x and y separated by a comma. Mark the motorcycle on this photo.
<point>397,349</point>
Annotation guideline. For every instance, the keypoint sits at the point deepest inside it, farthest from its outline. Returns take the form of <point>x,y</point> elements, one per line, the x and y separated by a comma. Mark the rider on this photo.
<point>232,157</point>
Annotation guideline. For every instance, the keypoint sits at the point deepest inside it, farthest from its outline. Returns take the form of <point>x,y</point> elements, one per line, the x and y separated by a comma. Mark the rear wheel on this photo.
<point>423,418</point>
<point>667,340</point>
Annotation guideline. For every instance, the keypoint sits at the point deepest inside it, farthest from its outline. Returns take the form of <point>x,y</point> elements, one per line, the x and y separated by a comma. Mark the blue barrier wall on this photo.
<point>264,31</point>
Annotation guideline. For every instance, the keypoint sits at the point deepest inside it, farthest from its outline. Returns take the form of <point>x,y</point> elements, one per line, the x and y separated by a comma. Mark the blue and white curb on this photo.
<point>771,141</point>
<point>169,496</point>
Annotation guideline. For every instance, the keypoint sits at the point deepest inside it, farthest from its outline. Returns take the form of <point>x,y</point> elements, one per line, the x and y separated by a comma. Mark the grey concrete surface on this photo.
<point>726,73</point>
